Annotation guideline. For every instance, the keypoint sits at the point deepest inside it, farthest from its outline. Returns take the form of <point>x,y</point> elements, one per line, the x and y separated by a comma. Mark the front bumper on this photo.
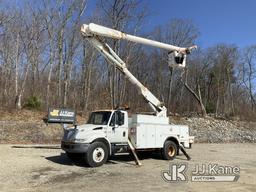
<point>74,147</point>
<point>187,143</point>
<point>191,140</point>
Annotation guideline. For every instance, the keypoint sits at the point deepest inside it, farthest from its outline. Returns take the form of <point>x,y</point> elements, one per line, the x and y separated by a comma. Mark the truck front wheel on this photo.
<point>97,154</point>
<point>169,151</point>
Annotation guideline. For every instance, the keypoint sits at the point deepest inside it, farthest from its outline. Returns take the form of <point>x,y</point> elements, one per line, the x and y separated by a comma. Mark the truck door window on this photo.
<point>120,118</point>
<point>99,118</point>
<point>117,119</point>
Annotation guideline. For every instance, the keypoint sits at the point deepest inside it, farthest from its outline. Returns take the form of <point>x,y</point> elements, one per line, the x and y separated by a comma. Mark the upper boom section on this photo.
<point>94,29</point>
<point>177,58</point>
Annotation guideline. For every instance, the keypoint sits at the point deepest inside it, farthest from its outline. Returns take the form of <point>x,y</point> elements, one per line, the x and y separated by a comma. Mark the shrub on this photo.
<point>210,108</point>
<point>33,102</point>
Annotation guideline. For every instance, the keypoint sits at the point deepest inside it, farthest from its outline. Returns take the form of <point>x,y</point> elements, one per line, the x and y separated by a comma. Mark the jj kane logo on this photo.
<point>201,173</point>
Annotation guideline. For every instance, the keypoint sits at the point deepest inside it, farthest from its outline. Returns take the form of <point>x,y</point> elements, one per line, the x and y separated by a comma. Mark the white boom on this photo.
<point>94,29</point>
<point>92,33</point>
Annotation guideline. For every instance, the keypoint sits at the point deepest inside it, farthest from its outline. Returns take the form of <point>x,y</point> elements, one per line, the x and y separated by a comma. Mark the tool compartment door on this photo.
<point>146,136</point>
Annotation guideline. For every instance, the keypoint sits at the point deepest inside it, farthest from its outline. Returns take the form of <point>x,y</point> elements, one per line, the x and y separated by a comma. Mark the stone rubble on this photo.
<point>211,130</point>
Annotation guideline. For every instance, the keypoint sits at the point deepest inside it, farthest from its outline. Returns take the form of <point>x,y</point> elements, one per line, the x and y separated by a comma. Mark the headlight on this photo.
<point>80,140</point>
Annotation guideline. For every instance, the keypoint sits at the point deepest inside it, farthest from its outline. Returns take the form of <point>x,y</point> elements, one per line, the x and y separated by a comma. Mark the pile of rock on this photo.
<point>213,130</point>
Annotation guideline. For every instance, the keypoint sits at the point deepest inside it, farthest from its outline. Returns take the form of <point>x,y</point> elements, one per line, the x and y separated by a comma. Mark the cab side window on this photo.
<point>117,119</point>
<point>120,118</point>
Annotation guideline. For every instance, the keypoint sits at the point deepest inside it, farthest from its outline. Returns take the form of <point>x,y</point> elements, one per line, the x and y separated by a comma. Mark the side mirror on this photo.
<point>114,127</point>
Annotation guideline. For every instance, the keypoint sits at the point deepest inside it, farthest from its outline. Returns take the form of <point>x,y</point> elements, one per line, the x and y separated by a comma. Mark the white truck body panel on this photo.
<point>147,131</point>
<point>139,118</point>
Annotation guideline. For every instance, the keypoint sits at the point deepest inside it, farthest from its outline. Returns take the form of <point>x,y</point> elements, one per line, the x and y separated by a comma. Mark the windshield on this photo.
<point>99,118</point>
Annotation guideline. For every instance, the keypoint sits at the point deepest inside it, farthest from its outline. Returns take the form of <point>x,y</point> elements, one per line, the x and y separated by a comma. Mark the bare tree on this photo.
<point>120,14</point>
<point>64,17</point>
<point>49,17</point>
<point>249,72</point>
<point>224,61</point>
<point>72,46</point>
<point>197,95</point>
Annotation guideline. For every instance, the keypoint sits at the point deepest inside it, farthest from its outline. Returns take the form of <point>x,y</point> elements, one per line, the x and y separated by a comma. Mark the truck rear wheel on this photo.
<point>97,154</point>
<point>169,151</point>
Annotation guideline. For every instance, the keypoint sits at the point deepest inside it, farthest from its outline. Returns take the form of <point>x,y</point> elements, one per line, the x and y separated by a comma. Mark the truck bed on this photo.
<point>147,131</point>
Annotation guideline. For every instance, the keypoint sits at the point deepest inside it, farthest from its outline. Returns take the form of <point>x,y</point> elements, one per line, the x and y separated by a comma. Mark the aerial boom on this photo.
<point>94,29</point>
<point>92,32</point>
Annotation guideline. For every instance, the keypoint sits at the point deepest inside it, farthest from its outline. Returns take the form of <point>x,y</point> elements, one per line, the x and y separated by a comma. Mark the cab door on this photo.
<point>117,129</point>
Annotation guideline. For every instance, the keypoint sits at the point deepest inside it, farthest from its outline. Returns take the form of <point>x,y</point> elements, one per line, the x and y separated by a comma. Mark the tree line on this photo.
<point>45,62</point>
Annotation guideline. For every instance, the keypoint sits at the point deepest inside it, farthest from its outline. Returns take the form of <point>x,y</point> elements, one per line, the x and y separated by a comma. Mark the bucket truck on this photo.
<point>108,132</point>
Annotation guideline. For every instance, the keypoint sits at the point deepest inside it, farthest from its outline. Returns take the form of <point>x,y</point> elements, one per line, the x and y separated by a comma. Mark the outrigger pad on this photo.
<point>184,152</point>
<point>61,115</point>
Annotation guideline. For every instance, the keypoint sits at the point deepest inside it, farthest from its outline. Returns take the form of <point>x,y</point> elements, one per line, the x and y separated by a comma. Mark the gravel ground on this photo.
<point>46,168</point>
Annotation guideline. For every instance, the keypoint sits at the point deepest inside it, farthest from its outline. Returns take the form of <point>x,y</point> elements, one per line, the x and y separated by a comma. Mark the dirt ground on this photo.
<point>46,168</point>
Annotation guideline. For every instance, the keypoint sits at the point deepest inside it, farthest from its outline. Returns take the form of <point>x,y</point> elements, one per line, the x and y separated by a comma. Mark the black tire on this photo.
<point>97,154</point>
<point>169,151</point>
<point>74,156</point>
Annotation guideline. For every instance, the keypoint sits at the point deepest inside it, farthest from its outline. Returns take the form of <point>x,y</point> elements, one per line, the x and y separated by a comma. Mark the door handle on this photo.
<point>124,134</point>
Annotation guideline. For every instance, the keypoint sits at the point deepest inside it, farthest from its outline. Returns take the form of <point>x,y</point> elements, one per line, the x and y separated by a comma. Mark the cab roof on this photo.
<point>106,110</point>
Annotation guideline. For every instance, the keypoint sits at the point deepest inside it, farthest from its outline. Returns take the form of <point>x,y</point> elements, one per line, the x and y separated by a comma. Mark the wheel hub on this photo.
<point>98,154</point>
<point>171,151</point>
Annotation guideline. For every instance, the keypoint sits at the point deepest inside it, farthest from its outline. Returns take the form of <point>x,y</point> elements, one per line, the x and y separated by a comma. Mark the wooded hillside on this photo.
<point>45,62</point>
